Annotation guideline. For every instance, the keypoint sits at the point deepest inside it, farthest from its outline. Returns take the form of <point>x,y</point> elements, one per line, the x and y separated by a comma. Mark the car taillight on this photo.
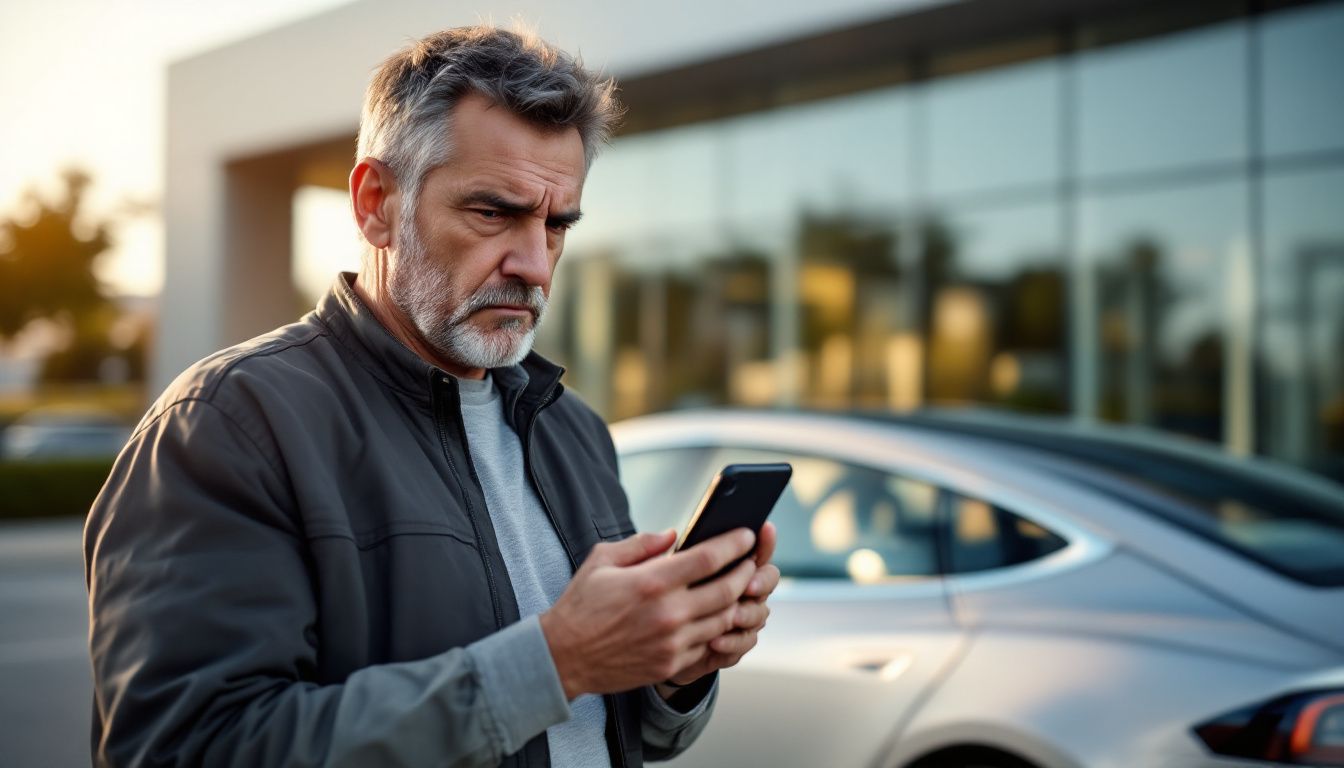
<point>1304,728</point>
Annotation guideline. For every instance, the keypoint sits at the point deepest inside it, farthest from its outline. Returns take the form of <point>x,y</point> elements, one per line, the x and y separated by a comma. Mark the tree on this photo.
<point>46,271</point>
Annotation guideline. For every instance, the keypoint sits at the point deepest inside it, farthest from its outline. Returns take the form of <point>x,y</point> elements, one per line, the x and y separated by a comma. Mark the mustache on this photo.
<point>513,293</point>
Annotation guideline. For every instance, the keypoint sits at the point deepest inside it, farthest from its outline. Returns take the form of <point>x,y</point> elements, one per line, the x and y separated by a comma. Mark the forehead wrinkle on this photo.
<point>532,193</point>
<point>555,174</point>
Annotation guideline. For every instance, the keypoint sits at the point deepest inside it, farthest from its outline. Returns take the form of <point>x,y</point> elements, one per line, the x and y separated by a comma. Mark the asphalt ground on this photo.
<point>45,686</point>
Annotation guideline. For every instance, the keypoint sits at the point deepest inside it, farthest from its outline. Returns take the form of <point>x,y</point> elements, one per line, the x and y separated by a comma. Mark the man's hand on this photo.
<point>727,649</point>
<point>629,619</point>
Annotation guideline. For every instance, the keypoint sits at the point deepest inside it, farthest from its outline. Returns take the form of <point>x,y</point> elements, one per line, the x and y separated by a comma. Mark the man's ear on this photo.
<point>373,198</point>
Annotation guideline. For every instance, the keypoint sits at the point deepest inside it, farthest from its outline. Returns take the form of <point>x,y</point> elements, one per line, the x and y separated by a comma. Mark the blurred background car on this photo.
<point>61,434</point>
<point>984,590</point>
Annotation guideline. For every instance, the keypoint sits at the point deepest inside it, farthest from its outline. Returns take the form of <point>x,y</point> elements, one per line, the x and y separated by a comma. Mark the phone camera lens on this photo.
<point>729,487</point>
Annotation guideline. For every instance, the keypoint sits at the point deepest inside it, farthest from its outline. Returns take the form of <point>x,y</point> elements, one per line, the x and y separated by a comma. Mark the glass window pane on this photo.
<point>845,155</point>
<point>850,290</point>
<point>616,198</point>
<point>842,521</point>
<point>685,178</point>
<point>1303,59</point>
<point>1302,315</point>
<point>985,536</point>
<point>995,128</point>
<point>996,307</point>
<point>1167,270</point>
<point>651,183</point>
<point>1165,102</point>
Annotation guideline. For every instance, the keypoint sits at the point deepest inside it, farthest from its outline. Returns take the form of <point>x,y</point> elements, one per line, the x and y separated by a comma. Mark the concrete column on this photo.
<point>258,284</point>
<point>190,306</point>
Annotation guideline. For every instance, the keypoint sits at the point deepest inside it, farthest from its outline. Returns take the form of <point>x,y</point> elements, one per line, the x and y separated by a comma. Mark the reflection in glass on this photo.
<point>1303,57</point>
<point>841,521</point>
<point>984,537</point>
<point>1163,103</point>
<point>850,285</point>
<point>1302,316</point>
<point>995,298</point>
<point>690,316</point>
<point>1163,265</point>
<point>793,257</point>
<point>995,128</point>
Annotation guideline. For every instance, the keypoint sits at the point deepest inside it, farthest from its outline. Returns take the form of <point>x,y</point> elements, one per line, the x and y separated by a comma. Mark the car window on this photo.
<point>843,521</point>
<point>984,536</point>
<point>1283,518</point>
<point>665,485</point>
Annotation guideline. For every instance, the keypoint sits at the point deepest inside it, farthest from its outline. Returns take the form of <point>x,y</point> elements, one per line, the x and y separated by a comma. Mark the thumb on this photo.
<point>635,549</point>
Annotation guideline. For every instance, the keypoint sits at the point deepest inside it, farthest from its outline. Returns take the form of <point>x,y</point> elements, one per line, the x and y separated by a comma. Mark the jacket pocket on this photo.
<point>613,530</point>
<point>371,538</point>
<point>368,534</point>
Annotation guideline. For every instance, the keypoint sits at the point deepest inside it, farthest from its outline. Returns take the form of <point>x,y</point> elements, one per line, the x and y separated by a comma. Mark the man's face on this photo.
<point>473,269</point>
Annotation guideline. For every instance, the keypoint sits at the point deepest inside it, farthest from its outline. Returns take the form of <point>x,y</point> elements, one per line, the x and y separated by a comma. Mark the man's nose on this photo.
<point>529,256</point>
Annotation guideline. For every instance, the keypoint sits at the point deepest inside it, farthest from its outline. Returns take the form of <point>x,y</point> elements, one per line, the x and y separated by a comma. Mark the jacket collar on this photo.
<point>526,387</point>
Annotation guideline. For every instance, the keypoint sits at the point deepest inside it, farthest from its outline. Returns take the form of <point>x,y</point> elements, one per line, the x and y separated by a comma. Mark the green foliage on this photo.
<point>46,271</point>
<point>64,488</point>
<point>46,262</point>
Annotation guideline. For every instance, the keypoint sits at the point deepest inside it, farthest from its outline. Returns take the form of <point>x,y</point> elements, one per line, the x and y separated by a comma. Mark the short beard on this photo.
<point>425,293</point>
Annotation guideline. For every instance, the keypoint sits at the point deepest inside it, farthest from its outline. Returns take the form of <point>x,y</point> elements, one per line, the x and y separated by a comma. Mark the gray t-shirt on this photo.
<point>539,568</point>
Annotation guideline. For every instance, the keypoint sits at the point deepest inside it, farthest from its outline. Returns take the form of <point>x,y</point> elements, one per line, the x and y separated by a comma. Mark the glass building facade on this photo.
<point>1136,219</point>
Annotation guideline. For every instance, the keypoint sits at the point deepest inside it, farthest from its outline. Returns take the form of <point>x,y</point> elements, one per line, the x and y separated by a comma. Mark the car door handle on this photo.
<point>889,668</point>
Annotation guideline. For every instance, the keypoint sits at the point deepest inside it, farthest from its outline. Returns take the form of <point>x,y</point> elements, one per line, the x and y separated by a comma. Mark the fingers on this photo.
<point>750,615</point>
<point>733,645</point>
<point>690,665</point>
<point>633,550</point>
<point>765,544</point>
<point>706,558</point>
<point>721,593</point>
<point>763,583</point>
<point>705,629</point>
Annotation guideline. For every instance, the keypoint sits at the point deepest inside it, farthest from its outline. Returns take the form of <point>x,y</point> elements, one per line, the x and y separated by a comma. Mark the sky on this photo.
<point>82,83</point>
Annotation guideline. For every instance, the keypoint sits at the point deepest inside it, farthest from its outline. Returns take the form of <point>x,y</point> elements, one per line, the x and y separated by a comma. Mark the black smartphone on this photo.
<point>740,496</point>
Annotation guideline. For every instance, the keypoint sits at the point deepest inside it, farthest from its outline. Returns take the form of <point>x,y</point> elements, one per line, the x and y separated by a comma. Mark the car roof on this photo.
<point>1121,447</point>
<point>955,459</point>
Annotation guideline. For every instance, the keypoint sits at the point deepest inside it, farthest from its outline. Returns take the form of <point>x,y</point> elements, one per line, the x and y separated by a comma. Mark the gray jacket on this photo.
<point>292,563</point>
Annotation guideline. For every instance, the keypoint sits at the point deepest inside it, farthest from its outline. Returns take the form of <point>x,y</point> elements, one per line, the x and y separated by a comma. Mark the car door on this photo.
<point>859,627</point>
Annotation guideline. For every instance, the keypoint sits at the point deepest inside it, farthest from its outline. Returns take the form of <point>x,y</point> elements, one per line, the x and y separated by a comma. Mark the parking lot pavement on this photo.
<point>45,685</point>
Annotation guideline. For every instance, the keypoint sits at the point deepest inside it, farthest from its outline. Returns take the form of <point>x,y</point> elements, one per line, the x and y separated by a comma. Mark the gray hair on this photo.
<point>410,100</point>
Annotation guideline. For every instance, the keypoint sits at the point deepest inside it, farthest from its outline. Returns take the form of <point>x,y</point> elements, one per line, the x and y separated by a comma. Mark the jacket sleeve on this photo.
<point>202,616</point>
<point>669,727</point>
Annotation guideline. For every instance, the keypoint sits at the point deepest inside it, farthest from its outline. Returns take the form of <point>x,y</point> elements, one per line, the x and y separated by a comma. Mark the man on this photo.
<point>374,537</point>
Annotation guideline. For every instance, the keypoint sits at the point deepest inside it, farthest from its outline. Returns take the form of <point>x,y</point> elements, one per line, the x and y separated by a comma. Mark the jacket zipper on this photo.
<point>466,499</point>
<point>573,562</point>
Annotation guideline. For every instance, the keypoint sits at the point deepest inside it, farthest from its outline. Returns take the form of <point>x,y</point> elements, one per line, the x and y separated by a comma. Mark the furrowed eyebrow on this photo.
<point>497,202</point>
<point>567,219</point>
<point>511,207</point>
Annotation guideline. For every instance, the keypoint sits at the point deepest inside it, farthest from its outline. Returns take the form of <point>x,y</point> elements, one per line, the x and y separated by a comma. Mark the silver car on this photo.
<point>57,434</point>
<point>989,592</point>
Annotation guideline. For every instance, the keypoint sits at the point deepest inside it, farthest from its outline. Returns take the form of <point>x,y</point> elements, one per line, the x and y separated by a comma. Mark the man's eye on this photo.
<point>488,214</point>
<point>560,226</point>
